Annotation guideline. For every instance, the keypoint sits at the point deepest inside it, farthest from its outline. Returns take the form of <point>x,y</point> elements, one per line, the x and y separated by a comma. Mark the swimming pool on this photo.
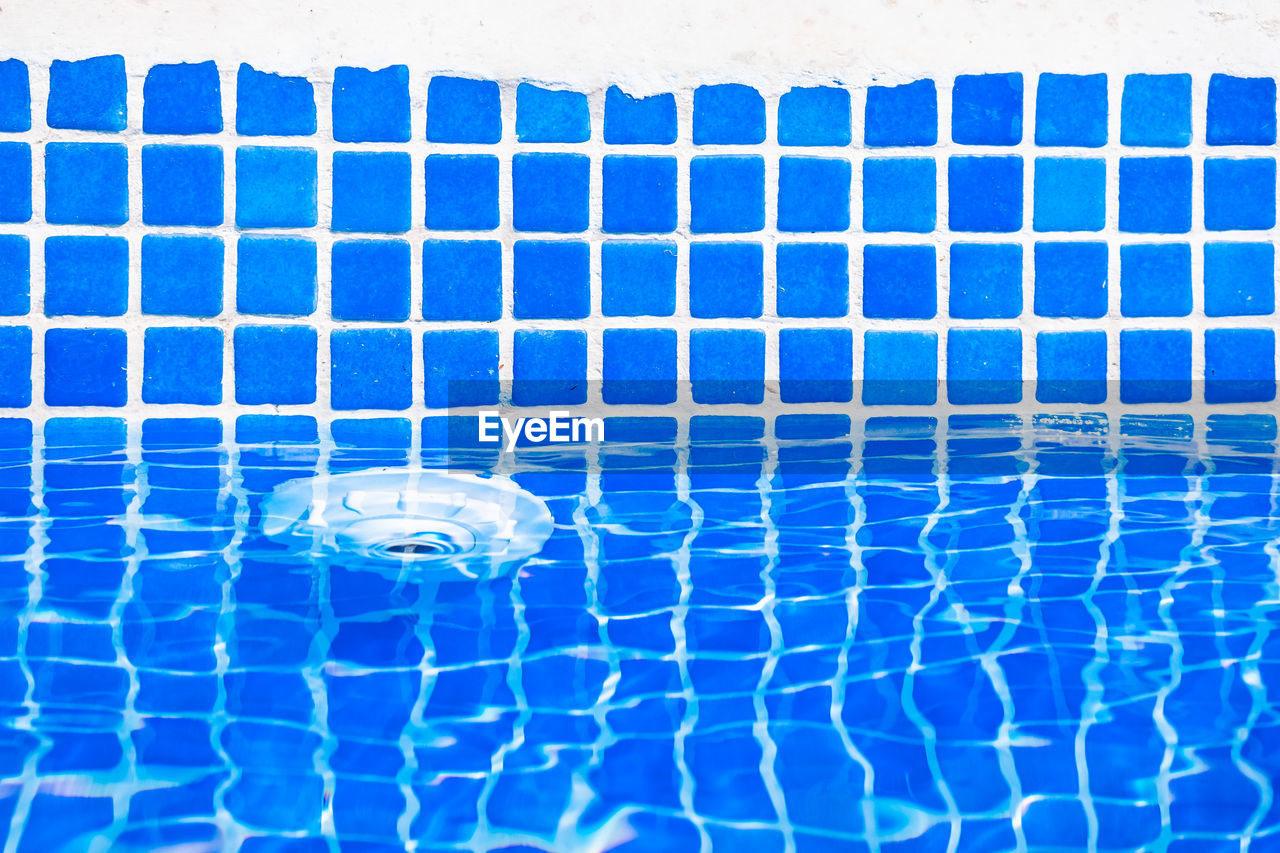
<point>804,634</point>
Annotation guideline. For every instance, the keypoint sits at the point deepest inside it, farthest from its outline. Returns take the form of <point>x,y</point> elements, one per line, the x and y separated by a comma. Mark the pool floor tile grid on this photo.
<point>1115,222</point>
<point>800,642</point>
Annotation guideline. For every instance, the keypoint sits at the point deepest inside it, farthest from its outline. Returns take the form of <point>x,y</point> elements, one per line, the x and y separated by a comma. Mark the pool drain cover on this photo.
<point>438,520</point>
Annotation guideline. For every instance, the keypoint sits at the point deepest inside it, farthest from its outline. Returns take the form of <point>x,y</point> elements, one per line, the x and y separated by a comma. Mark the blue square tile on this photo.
<point>84,367</point>
<point>639,194</point>
<point>1071,367</point>
<point>1155,110</point>
<point>984,366</point>
<point>638,279</point>
<point>1155,194</point>
<point>371,369</point>
<point>182,365</point>
<point>276,276</point>
<point>275,365</point>
<point>182,185</point>
<point>639,366</point>
<point>1242,111</point>
<point>371,106</point>
<point>816,115</point>
<point>15,275</point>
<point>372,433</point>
<point>551,192</point>
<point>1239,279</point>
<point>899,282</point>
<point>984,193</point>
<point>371,191</point>
<point>88,94</point>
<point>727,114</point>
<point>86,183</point>
<point>15,367</point>
<point>1071,279</point>
<point>273,105</point>
<point>461,367</point>
<point>552,280</point>
<point>986,280</point>
<point>1071,109</point>
<point>275,187</point>
<point>551,115</point>
<point>903,115</point>
<point>726,194</point>
<point>86,276</point>
<point>1239,194</point>
<point>182,275</point>
<point>463,110</point>
<point>15,182</point>
<point>1155,366</point>
<point>813,280</point>
<point>1069,194</point>
<point>813,194</point>
<point>1239,366</point>
<point>726,280</point>
<point>462,192</point>
<point>461,280</point>
<point>726,365</point>
<point>1155,280</point>
<point>815,365</point>
<point>370,280</point>
<point>637,121</point>
<point>986,109</point>
<point>182,98</point>
<point>549,368</point>
<point>15,97</point>
<point>899,368</point>
<point>899,194</point>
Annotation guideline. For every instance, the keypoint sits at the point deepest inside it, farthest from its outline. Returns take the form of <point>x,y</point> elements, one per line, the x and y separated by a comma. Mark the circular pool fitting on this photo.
<point>438,522</point>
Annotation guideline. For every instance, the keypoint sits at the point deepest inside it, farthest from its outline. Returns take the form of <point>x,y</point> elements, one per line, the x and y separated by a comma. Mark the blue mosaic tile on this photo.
<point>986,280</point>
<point>551,279</point>
<point>15,275</point>
<point>638,278</point>
<point>273,105</point>
<point>815,116</point>
<point>630,120</point>
<point>899,194</point>
<point>461,280</point>
<point>182,275</point>
<point>726,194</point>
<point>88,94</point>
<point>1071,367</point>
<point>182,365</point>
<point>815,365</point>
<point>275,187</point>
<point>462,192</point>
<point>899,368</point>
<point>551,192</point>
<point>15,366</point>
<point>1239,365</point>
<point>1239,279</point>
<point>726,280</point>
<point>463,110</point>
<point>1155,194</point>
<point>84,367</point>
<point>813,194</point>
<point>275,364</point>
<point>182,98</point>
<point>86,183</point>
<point>905,115</point>
<point>369,280</point>
<point>371,369</point>
<point>1155,110</point>
<point>639,366</point>
<point>1070,279</point>
<point>728,114</point>
<point>1155,280</point>
<point>986,109</point>
<point>275,276</point>
<point>182,185</point>
<point>1239,194</point>
<point>551,115</point>
<point>1242,111</point>
<point>371,106</point>
<point>984,193</point>
<point>371,191</point>
<point>461,367</point>
<point>15,182</point>
<point>15,97</point>
<point>899,282</point>
<point>813,280</point>
<point>1071,109</point>
<point>984,366</point>
<point>86,276</point>
<point>1155,366</point>
<point>548,368</point>
<point>726,365</point>
<point>1069,194</point>
<point>639,194</point>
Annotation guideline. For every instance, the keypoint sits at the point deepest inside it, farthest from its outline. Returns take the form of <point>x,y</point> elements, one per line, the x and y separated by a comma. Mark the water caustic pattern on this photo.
<point>881,636</point>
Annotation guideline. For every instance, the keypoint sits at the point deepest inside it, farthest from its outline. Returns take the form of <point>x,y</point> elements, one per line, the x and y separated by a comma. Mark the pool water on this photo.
<point>891,636</point>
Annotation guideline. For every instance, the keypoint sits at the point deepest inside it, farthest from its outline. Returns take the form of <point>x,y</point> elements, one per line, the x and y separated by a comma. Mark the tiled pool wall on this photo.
<point>192,239</point>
